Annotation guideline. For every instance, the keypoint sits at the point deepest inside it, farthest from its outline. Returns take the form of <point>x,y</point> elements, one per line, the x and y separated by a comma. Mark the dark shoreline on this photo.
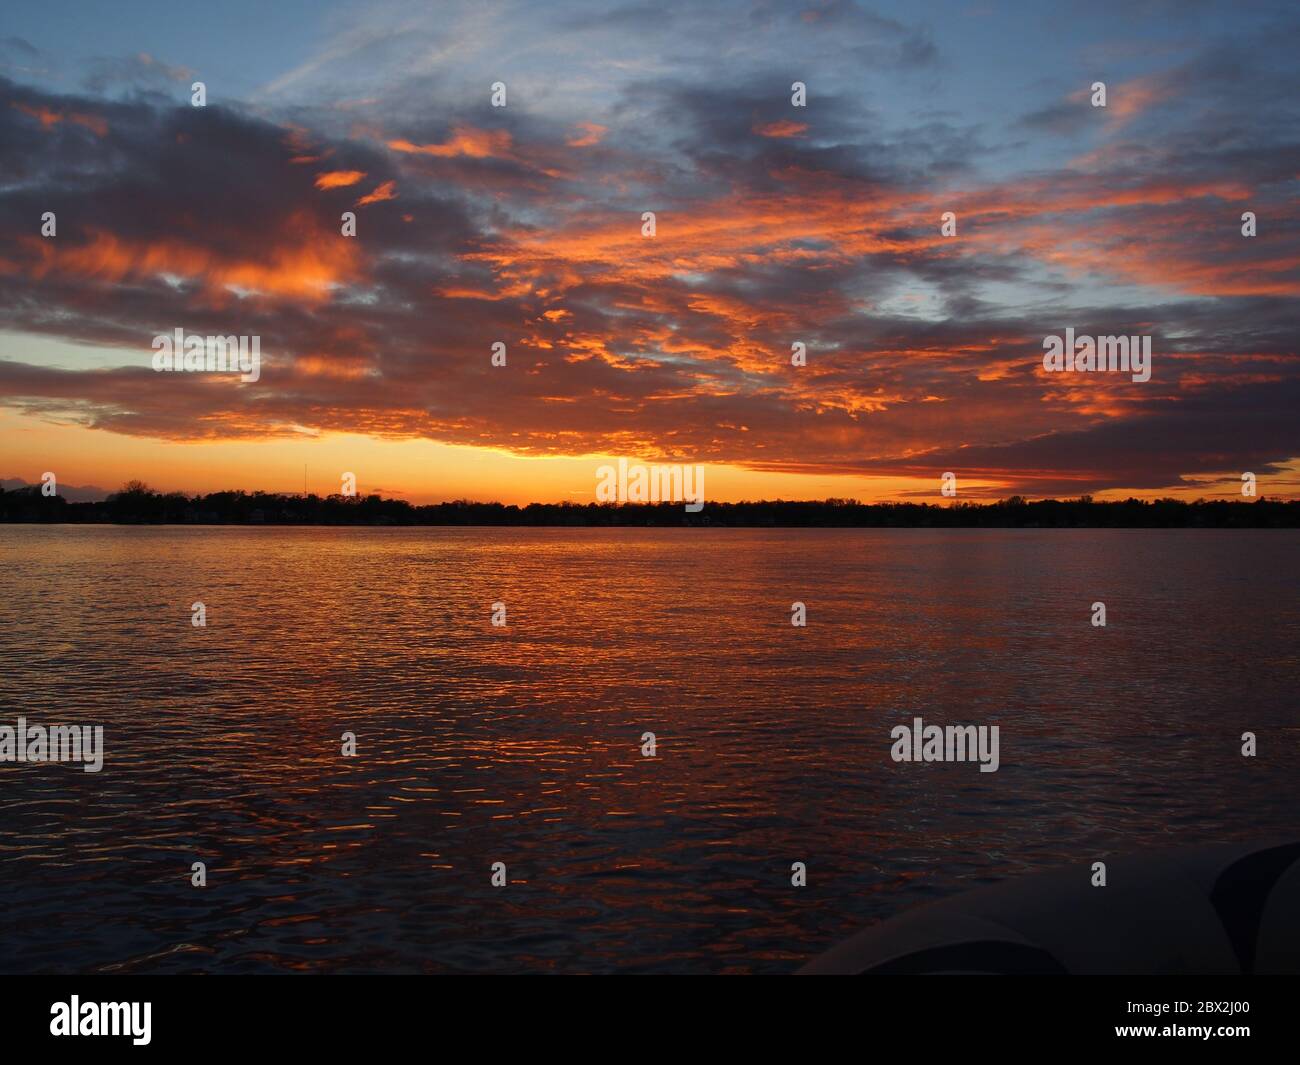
<point>139,506</point>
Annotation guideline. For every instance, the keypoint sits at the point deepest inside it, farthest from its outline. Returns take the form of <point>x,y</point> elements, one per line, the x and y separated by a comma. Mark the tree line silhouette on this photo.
<point>137,504</point>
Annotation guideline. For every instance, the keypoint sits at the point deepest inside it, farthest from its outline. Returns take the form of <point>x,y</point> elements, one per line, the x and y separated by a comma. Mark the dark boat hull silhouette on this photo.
<point>1217,909</point>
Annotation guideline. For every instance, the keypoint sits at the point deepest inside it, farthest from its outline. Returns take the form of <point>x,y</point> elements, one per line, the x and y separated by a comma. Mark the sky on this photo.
<point>775,225</point>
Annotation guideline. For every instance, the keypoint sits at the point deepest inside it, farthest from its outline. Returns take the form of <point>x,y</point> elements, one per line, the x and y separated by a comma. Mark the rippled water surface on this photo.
<point>521,745</point>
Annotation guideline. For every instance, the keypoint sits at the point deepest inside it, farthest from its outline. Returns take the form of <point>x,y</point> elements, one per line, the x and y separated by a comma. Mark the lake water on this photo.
<point>521,745</point>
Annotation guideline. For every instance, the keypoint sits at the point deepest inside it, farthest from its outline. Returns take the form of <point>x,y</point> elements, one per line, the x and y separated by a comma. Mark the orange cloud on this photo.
<point>336,367</point>
<point>1133,97</point>
<point>1124,102</point>
<point>782,128</point>
<point>591,134</point>
<point>49,119</point>
<point>338,179</point>
<point>386,191</point>
<point>304,267</point>
<point>464,141</point>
